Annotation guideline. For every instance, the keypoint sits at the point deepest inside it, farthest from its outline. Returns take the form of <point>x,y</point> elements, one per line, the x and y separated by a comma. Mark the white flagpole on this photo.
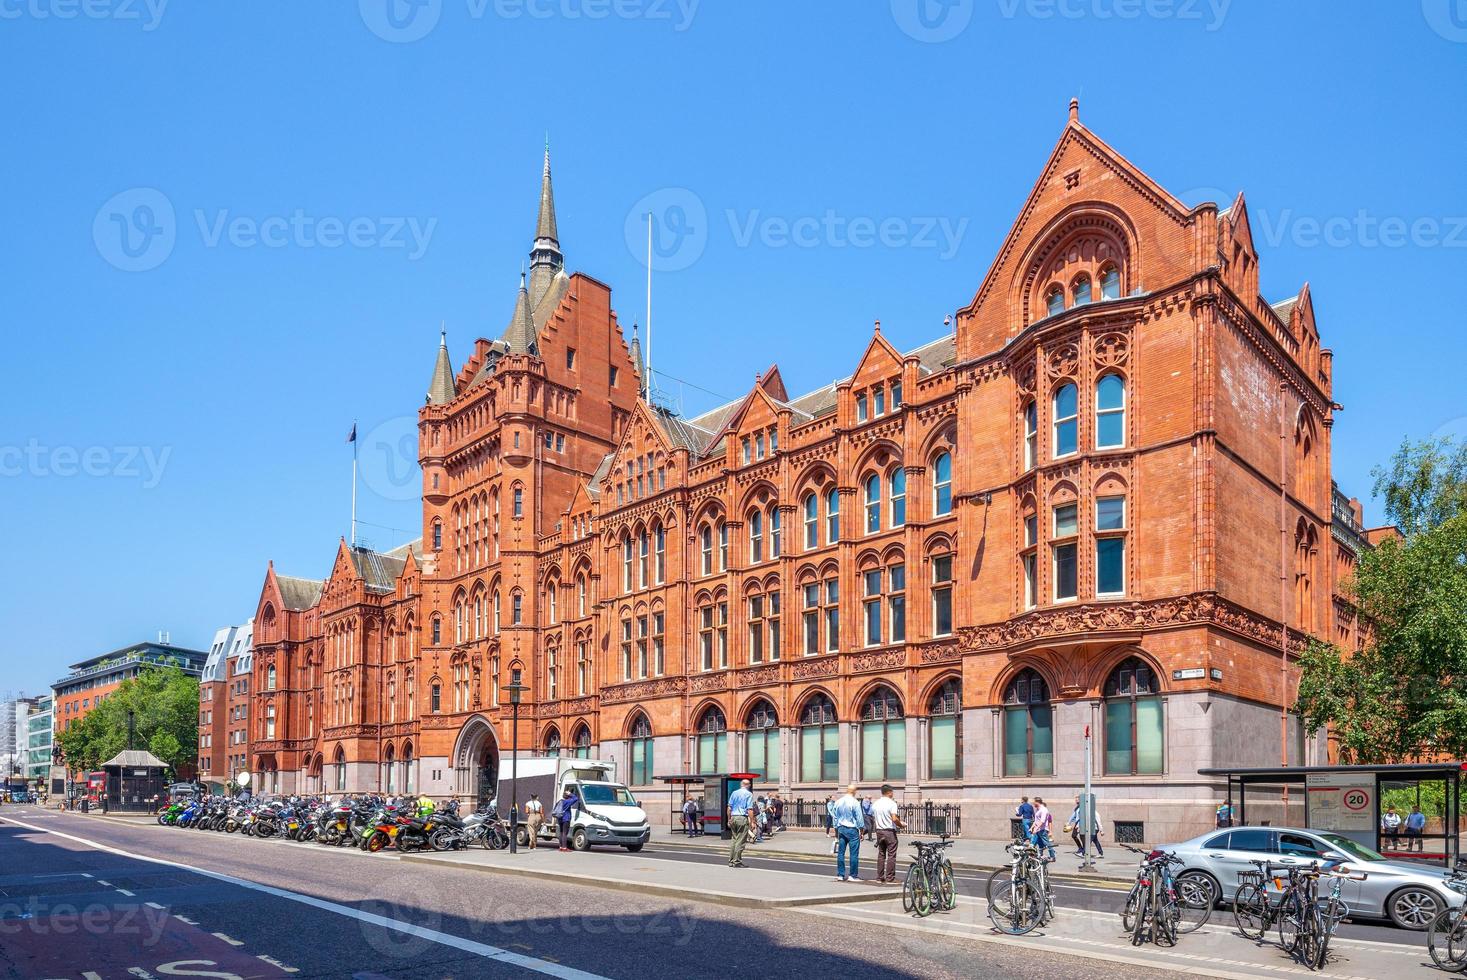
<point>649,306</point>
<point>354,483</point>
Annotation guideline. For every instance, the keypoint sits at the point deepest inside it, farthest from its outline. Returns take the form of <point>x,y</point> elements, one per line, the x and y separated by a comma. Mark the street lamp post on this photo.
<point>515,689</point>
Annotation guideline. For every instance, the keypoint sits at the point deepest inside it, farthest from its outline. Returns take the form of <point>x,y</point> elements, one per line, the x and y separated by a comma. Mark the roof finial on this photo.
<point>1074,110</point>
<point>443,333</point>
<point>878,326</point>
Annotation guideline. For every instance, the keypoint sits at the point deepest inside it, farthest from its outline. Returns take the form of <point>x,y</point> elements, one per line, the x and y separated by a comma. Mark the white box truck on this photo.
<point>605,810</point>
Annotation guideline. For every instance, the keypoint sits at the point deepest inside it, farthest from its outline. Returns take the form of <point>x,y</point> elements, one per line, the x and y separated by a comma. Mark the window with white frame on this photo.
<point>1110,546</point>
<point>942,484</point>
<point>1064,551</point>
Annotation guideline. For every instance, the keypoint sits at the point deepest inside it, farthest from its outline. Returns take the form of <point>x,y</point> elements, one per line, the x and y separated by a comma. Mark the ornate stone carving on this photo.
<point>759,676</point>
<point>942,653</point>
<point>1202,608</point>
<point>1112,350</point>
<point>880,660</point>
<point>1025,379</point>
<point>660,687</point>
<point>700,683</point>
<point>804,669</point>
<point>1063,361</point>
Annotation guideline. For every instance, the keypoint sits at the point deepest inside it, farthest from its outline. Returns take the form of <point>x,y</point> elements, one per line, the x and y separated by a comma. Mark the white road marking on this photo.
<point>232,942</point>
<point>101,882</point>
<point>124,891</point>
<point>276,963</point>
<point>432,935</point>
<point>153,905</point>
<point>187,922</point>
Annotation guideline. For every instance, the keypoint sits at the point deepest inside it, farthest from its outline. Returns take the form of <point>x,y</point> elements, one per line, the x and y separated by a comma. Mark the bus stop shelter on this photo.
<point>1357,802</point>
<point>712,789</point>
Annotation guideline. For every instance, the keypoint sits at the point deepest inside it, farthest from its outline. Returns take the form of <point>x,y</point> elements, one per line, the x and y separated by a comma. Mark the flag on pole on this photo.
<point>352,436</point>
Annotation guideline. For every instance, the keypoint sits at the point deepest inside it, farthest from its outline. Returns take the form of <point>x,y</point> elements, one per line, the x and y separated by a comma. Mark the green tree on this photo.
<point>165,709</point>
<point>1405,694</point>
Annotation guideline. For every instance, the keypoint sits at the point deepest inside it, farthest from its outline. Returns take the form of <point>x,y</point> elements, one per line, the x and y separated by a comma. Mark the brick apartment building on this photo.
<point>224,706</point>
<point>90,681</point>
<point>1103,500</point>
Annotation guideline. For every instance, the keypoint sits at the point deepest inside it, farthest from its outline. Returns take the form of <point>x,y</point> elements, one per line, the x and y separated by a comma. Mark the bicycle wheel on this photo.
<point>1291,922</point>
<point>909,889</point>
<point>1250,911</point>
<point>1311,938</point>
<point>1019,912</point>
<point>1194,904</point>
<point>945,890</point>
<point>921,893</point>
<point>999,890</point>
<point>1446,941</point>
<point>1145,911</point>
<point>1164,925</point>
<point>1133,905</point>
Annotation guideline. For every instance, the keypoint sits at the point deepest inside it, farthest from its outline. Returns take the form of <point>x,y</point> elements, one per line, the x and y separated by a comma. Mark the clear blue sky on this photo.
<point>234,368</point>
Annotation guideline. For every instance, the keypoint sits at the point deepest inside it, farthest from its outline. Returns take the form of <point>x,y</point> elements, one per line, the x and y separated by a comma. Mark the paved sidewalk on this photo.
<point>650,875</point>
<point>982,855</point>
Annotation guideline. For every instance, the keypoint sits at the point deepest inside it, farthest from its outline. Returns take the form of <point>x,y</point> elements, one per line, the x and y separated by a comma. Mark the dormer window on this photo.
<point>746,450</point>
<point>880,397</point>
<point>896,395</point>
<point>861,407</point>
<point>1081,290</point>
<point>759,446</point>
<point>773,441</point>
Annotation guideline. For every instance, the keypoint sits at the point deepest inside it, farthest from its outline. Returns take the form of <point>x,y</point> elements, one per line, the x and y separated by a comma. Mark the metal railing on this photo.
<point>929,818</point>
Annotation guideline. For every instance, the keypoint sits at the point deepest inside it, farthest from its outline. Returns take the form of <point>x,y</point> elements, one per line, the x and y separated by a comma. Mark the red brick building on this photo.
<point>1103,500</point>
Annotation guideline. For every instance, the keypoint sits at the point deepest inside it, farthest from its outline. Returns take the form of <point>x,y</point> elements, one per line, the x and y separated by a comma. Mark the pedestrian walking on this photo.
<point>1224,815</point>
<point>1076,829</point>
<point>740,801</point>
<point>849,820</point>
<point>1415,824</point>
<point>777,805</point>
<point>829,819</point>
<point>870,826</point>
<point>565,808</point>
<point>534,817</point>
<point>690,818</point>
<point>1025,814</point>
<point>888,820</point>
<point>1043,824</point>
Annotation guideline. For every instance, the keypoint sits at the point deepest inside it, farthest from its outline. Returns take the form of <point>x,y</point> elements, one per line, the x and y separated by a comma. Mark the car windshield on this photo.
<point>1353,848</point>
<point>602,794</point>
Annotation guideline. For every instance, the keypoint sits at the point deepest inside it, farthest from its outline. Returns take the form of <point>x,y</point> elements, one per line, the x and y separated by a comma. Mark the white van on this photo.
<point>606,812</point>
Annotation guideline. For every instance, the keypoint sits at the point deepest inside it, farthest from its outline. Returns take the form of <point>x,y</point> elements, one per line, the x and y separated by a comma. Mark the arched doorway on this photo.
<point>476,761</point>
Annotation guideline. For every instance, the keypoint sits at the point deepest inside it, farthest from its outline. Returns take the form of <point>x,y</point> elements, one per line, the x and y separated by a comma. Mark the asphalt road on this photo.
<point>115,899</point>
<point>1099,898</point>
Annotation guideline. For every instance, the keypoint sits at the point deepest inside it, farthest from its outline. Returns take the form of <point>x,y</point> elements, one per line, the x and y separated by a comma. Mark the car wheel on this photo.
<point>1191,883</point>
<point>1413,908</point>
<point>580,841</point>
<point>634,848</point>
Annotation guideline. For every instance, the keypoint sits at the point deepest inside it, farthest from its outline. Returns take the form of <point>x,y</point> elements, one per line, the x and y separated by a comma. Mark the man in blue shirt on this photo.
<point>850,821</point>
<point>1025,812</point>
<point>739,802</point>
<point>1415,824</point>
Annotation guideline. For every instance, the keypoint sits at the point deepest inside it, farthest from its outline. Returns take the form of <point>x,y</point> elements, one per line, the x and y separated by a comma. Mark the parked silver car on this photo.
<point>1410,895</point>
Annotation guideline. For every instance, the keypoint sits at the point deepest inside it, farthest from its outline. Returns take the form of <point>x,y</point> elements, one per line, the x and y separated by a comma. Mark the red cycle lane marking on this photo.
<point>122,943</point>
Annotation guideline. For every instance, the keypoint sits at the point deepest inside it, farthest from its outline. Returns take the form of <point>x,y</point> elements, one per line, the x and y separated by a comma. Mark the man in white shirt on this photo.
<point>888,820</point>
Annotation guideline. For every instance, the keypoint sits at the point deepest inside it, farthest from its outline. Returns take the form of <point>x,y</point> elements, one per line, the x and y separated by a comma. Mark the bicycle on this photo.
<point>1185,905</point>
<point>1254,914</point>
<point>1446,940</point>
<point>1333,910</point>
<point>1020,897</point>
<point>928,886</point>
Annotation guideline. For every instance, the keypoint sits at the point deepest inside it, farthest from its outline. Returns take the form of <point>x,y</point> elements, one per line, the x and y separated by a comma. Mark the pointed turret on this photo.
<point>545,257</point>
<point>442,388</point>
<point>520,335</point>
<point>636,351</point>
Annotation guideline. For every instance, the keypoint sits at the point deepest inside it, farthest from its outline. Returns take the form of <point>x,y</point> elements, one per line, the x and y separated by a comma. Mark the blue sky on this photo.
<point>309,189</point>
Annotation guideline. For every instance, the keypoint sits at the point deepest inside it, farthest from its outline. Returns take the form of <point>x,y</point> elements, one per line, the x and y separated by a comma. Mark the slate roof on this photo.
<point>379,571</point>
<point>441,388</point>
<point>299,593</point>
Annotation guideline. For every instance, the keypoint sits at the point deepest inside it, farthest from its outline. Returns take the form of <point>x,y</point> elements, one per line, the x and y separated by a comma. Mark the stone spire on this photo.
<point>520,335</point>
<point>441,390</point>
<point>636,351</point>
<point>545,257</point>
